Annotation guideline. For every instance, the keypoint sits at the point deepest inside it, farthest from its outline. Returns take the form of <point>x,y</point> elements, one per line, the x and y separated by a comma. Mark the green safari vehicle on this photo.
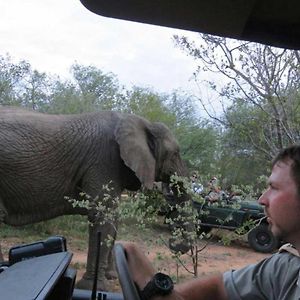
<point>232,215</point>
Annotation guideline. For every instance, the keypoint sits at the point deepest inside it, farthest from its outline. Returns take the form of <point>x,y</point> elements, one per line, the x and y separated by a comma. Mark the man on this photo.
<point>214,191</point>
<point>276,277</point>
<point>197,188</point>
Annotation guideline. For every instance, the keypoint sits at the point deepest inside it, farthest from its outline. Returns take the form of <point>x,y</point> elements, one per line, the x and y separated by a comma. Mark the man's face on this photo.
<point>282,204</point>
<point>194,178</point>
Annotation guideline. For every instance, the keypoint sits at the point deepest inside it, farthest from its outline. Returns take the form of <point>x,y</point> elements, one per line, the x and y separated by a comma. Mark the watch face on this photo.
<point>160,285</point>
<point>164,282</point>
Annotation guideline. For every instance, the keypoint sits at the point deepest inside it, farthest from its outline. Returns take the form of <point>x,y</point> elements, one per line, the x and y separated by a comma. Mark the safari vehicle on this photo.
<point>231,215</point>
<point>273,22</point>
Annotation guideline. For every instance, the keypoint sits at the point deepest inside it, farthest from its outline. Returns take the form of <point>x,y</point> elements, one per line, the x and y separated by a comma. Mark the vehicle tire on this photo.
<point>261,239</point>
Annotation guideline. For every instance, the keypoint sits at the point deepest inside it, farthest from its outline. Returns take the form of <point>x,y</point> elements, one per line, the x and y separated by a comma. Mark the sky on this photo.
<point>54,34</point>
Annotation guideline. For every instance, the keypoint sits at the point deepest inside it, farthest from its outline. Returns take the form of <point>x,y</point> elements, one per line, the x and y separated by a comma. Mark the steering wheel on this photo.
<point>127,284</point>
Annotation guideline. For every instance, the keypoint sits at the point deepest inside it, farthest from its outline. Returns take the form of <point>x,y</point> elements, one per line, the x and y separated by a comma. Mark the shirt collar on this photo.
<point>289,248</point>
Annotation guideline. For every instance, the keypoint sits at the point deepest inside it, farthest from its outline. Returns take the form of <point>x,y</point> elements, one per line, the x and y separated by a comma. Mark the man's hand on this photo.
<point>139,265</point>
<point>142,272</point>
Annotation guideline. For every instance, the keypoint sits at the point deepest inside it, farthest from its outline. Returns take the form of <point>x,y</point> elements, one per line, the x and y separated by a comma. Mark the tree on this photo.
<point>20,85</point>
<point>36,93</point>
<point>65,99</point>
<point>199,147</point>
<point>11,76</point>
<point>197,137</point>
<point>102,91</point>
<point>263,78</point>
<point>149,104</point>
<point>239,162</point>
<point>89,89</point>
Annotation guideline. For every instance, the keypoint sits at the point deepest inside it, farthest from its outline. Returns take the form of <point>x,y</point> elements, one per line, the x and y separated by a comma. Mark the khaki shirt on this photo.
<point>274,278</point>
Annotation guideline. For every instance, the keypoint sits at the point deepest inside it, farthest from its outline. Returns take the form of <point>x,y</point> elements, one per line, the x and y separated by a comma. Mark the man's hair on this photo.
<point>291,153</point>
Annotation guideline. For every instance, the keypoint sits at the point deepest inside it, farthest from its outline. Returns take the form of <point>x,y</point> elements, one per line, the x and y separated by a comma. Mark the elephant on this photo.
<point>44,158</point>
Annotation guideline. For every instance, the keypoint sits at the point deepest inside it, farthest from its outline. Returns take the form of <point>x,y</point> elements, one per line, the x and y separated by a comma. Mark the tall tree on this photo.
<point>11,76</point>
<point>150,105</point>
<point>88,89</point>
<point>36,88</point>
<point>264,78</point>
<point>197,137</point>
<point>66,99</point>
<point>102,91</point>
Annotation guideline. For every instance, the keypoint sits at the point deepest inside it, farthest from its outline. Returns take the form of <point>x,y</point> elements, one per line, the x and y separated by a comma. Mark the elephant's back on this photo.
<point>26,134</point>
<point>20,120</point>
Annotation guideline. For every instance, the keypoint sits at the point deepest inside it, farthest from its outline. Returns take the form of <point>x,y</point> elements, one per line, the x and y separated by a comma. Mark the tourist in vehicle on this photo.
<point>197,187</point>
<point>276,277</point>
<point>214,191</point>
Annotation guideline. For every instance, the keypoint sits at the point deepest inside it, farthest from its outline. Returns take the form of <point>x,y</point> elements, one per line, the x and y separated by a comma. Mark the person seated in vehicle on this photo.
<point>197,187</point>
<point>214,191</point>
<point>274,278</point>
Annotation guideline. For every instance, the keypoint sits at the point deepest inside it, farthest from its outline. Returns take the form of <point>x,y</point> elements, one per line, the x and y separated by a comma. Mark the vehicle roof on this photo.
<point>272,22</point>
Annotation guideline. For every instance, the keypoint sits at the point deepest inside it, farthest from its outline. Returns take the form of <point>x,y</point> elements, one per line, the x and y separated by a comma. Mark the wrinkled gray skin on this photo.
<point>46,157</point>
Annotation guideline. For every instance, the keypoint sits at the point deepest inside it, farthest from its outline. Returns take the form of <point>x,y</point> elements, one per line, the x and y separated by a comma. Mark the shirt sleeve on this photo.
<point>266,280</point>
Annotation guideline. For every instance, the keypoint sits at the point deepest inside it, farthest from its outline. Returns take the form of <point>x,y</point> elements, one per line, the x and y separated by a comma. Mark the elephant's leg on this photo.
<point>101,217</point>
<point>107,230</point>
<point>110,272</point>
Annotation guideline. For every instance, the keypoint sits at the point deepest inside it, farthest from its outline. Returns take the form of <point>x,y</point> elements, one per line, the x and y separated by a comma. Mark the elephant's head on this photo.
<point>148,149</point>
<point>151,151</point>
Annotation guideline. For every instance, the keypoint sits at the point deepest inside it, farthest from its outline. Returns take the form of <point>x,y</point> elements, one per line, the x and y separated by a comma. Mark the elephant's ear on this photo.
<point>133,134</point>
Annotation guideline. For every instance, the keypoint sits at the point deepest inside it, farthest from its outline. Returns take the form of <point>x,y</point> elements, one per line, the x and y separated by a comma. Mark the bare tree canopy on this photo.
<point>261,81</point>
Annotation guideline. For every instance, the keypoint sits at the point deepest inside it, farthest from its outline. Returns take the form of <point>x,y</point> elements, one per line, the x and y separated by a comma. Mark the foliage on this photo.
<point>141,207</point>
<point>20,85</point>
<point>258,88</point>
<point>238,153</point>
<point>89,90</point>
<point>149,104</point>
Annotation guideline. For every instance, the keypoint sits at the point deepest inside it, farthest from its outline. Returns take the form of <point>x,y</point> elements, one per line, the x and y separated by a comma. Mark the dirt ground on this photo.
<point>213,259</point>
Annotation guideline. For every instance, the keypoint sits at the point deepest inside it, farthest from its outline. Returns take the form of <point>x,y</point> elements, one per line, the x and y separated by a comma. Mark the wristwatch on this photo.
<point>160,285</point>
